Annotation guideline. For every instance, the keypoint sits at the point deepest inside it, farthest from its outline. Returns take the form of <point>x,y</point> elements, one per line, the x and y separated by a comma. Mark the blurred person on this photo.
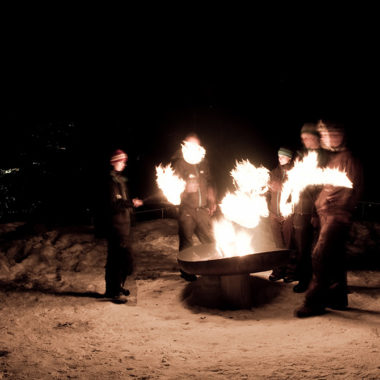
<point>281,227</point>
<point>334,206</point>
<point>119,262</point>
<point>305,220</point>
<point>198,201</point>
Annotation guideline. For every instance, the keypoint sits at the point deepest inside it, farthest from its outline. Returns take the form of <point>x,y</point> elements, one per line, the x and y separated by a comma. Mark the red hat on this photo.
<point>119,155</point>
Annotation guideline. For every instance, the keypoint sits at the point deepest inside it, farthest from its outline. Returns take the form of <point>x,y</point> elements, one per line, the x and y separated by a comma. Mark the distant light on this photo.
<point>8,171</point>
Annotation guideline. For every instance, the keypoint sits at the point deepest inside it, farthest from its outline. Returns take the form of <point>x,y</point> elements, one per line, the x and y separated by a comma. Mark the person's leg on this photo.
<point>126,260</point>
<point>337,292</point>
<point>186,227</point>
<point>203,228</point>
<point>112,270</point>
<point>303,239</point>
<point>119,260</point>
<point>278,272</point>
<point>316,296</point>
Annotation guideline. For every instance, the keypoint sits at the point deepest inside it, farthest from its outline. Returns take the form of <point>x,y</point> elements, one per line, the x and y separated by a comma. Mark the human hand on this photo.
<point>212,209</point>
<point>137,202</point>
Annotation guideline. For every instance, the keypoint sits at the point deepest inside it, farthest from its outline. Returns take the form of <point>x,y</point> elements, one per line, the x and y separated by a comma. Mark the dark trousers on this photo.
<point>119,263</point>
<point>282,231</point>
<point>282,236</point>
<point>304,237</point>
<point>194,221</point>
<point>329,280</point>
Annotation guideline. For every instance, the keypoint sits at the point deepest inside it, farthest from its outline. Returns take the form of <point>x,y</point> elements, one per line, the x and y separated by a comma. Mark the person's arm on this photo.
<point>117,204</point>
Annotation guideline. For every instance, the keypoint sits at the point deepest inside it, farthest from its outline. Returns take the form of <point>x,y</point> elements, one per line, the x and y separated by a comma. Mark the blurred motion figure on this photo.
<point>334,206</point>
<point>198,201</point>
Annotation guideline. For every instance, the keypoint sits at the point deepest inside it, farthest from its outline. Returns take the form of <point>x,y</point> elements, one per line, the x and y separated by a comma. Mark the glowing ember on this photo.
<point>306,173</point>
<point>192,152</point>
<point>171,185</point>
<point>245,207</point>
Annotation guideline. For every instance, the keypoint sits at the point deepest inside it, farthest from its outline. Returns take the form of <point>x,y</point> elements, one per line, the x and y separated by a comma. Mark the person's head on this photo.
<point>332,135</point>
<point>193,138</point>
<point>119,160</point>
<point>284,156</point>
<point>192,150</point>
<point>310,136</point>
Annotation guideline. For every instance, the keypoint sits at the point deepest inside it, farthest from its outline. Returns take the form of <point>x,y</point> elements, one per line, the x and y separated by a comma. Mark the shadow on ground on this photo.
<point>206,293</point>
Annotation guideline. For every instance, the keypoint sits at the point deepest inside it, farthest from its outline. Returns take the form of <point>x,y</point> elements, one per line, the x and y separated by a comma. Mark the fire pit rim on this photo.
<point>251,263</point>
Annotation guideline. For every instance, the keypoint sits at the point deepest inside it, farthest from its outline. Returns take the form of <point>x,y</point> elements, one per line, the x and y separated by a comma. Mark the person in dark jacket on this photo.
<point>198,201</point>
<point>119,262</point>
<point>334,206</point>
<point>305,220</point>
<point>281,227</point>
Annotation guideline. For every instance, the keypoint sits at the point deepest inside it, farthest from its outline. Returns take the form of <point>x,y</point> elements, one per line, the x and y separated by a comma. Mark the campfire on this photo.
<point>242,210</point>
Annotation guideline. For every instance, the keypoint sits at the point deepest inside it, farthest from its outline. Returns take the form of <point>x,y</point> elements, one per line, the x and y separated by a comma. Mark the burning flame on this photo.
<point>305,173</point>
<point>230,241</point>
<point>171,185</point>
<point>248,203</point>
<point>192,152</point>
<point>250,179</point>
<point>245,207</point>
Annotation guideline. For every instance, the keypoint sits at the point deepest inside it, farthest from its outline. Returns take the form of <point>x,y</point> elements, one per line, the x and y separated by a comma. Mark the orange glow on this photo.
<point>242,210</point>
<point>171,185</point>
<point>305,173</point>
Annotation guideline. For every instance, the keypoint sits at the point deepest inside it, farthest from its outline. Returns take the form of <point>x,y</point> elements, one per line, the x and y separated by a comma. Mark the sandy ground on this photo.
<point>55,325</point>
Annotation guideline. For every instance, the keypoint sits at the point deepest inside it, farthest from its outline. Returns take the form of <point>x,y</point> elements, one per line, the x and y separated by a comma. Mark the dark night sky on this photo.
<point>245,90</point>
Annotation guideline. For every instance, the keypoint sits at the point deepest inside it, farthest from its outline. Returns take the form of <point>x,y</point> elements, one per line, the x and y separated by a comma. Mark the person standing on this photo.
<point>281,227</point>
<point>334,206</point>
<point>198,201</point>
<point>119,262</point>
<point>305,220</point>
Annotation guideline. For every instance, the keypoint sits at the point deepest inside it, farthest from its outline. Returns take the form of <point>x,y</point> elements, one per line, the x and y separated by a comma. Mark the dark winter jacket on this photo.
<point>340,201</point>
<point>306,203</point>
<point>199,185</point>
<point>120,205</point>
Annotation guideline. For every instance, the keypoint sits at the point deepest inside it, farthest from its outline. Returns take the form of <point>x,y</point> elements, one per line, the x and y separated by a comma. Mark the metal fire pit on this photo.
<point>230,273</point>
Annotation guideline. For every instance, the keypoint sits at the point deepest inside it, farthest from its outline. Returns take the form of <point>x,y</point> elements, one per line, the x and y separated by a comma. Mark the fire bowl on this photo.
<point>228,277</point>
<point>204,260</point>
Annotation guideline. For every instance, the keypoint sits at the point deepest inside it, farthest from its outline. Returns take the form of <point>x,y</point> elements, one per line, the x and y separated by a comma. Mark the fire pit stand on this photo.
<point>229,274</point>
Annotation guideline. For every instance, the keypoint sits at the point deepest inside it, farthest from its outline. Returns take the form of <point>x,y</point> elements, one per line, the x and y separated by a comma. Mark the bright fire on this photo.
<point>192,152</point>
<point>230,241</point>
<point>306,173</point>
<point>245,207</point>
<point>248,203</point>
<point>171,185</point>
